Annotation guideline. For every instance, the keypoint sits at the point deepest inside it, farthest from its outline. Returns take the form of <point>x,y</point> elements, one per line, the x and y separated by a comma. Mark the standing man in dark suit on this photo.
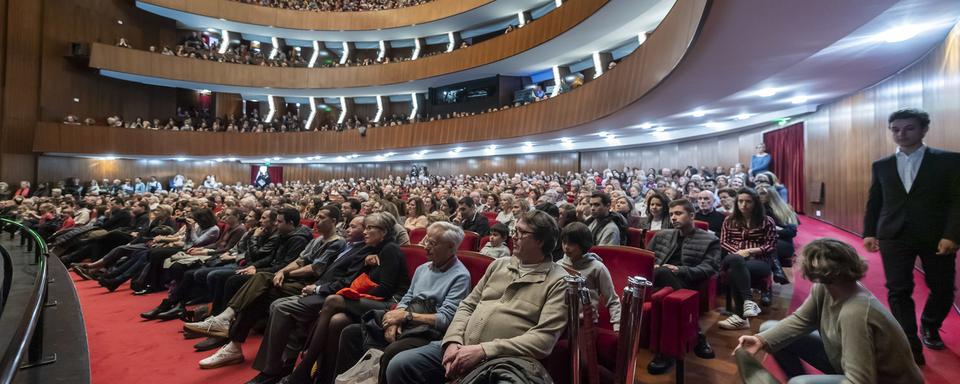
<point>914,210</point>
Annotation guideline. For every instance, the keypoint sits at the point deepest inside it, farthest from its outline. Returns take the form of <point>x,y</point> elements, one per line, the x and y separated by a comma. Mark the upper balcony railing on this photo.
<point>145,63</point>
<point>633,78</point>
<point>321,21</point>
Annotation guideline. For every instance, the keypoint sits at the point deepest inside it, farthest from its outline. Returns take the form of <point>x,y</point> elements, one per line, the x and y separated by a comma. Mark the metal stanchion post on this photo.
<point>630,324</point>
<point>573,295</point>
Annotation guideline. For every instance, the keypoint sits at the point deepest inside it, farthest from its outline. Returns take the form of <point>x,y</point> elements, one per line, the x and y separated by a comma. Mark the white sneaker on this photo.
<point>750,309</point>
<point>211,326</point>
<point>734,322</point>
<point>224,356</point>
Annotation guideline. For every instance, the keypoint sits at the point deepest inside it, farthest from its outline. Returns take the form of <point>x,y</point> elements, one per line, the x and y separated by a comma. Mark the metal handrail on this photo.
<point>29,334</point>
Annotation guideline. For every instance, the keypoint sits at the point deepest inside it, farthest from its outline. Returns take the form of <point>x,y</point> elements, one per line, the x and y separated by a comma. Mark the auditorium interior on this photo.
<point>479,191</point>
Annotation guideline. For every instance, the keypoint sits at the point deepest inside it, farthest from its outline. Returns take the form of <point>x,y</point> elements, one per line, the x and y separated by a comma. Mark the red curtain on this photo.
<point>785,147</point>
<point>276,174</point>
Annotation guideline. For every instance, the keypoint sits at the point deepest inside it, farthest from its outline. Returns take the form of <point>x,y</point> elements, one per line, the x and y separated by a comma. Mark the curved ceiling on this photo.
<point>615,23</point>
<point>819,49</point>
<point>484,14</point>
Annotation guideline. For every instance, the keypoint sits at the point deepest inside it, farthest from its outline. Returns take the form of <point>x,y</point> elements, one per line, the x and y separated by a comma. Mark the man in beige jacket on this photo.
<point>517,309</point>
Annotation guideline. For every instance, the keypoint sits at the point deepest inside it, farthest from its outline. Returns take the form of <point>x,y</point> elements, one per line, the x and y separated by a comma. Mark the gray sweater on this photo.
<point>860,336</point>
<point>591,268</point>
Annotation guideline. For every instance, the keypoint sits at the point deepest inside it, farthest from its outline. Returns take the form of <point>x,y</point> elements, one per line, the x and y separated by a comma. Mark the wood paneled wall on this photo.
<point>23,24</point>
<point>636,75</point>
<point>845,137</point>
<point>142,62</point>
<point>725,150</point>
<point>58,168</point>
<point>322,21</point>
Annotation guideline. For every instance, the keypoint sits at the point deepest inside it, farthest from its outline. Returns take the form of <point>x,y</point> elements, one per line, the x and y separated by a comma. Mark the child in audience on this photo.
<point>495,247</point>
<point>577,240</point>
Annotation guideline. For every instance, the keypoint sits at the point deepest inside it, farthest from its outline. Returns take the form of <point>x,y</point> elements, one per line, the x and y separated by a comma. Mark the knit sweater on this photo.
<point>860,336</point>
<point>591,268</point>
<point>446,288</point>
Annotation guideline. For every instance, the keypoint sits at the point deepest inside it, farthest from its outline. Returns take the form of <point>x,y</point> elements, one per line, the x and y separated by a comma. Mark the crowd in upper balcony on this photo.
<point>336,5</point>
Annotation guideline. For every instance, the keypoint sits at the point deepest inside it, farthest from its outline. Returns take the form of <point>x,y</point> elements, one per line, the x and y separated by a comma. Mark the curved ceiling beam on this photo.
<point>636,75</point>
<point>143,63</point>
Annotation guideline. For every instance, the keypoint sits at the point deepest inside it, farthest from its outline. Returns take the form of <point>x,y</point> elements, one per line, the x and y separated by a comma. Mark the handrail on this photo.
<point>29,334</point>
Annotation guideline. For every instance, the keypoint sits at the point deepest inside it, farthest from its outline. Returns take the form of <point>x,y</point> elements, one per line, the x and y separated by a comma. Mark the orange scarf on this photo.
<point>359,288</point>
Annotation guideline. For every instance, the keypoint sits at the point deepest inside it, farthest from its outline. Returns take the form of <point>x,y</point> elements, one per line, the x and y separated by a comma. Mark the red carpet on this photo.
<point>127,349</point>
<point>940,364</point>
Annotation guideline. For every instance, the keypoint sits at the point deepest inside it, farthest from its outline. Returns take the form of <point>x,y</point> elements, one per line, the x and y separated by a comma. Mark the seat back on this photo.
<point>491,217</point>
<point>307,223</point>
<point>414,255</point>
<point>486,239</point>
<point>623,262</point>
<point>647,237</point>
<point>476,263</point>
<point>417,235</point>
<point>471,241</point>
<point>635,237</point>
<point>701,224</point>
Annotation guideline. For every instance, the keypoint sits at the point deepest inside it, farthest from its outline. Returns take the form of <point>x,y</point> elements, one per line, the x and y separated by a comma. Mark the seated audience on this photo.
<point>706,211</point>
<point>748,239</point>
<point>841,329</point>
<point>608,228</point>
<point>525,324</point>
<point>686,256</point>
<point>657,216</point>
<point>470,218</point>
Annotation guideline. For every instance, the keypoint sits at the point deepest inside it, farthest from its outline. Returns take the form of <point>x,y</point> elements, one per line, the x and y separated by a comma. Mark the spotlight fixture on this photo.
<point>698,113</point>
<point>799,100</point>
<point>646,125</point>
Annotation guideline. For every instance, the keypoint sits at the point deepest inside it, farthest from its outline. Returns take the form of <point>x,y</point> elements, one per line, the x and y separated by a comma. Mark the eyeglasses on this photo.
<point>521,234</point>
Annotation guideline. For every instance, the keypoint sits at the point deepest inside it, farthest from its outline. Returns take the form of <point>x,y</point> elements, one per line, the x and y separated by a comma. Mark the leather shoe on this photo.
<point>703,349</point>
<point>172,313</point>
<point>82,272</point>
<point>198,300</point>
<point>659,365</point>
<point>766,297</point>
<point>110,284</point>
<point>210,343</point>
<point>263,378</point>
<point>152,314</point>
<point>931,338</point>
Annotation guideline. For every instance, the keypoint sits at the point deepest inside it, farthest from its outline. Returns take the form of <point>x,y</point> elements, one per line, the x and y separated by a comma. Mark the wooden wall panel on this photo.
<point>322,21</point>
<point>58,168</point>
<point>632,79</point>
<point>845,137</point>
<point>21,79</point>
<point>140,61</point>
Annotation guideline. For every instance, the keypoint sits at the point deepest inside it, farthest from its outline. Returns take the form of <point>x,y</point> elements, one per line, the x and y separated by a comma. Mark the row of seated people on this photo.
<point>337,5</point>
<point>736,243</point>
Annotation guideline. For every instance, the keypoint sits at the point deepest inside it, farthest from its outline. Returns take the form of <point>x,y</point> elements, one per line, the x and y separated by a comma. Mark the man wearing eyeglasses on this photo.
<point>516,310</point>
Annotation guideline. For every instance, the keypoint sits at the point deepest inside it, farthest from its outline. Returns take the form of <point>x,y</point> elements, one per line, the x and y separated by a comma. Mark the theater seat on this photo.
<point>307,223</point>
<point>476,263</point>
<point>701,225</point>
<point>415,255</point>
<point>623,262</point>
<point>647,237</point>
<point>486,239</point>
<point>417,235</point>
<point>635,237</point>
<point>471,241</point>
<point>491,217</point>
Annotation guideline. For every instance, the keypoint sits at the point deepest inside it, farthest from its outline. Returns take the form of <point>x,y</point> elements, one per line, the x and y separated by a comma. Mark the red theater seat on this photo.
<point>308,223</point>
<point>415,255</point>
<point>471,241</point>
<point>476,263</point>
<point>647,237</point>
<point>635,237</point>
<point>486,239</point>
<point>491,217</point>
<point>701,224</point>
<point>417,235</point>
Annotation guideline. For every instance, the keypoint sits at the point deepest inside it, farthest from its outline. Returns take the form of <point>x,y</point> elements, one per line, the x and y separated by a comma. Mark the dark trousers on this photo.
<point>352,349</point>
<point>663,277</point>
<point>194,283</point>
<point>808,348</point>
<point>223,285</point>
<point>120,252</point>
<point>285,334</point>
<point>252,302</point>
<point>740,272</point>
<point>898,258</point>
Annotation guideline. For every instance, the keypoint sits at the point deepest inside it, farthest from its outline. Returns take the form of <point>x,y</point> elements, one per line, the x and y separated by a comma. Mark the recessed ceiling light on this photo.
<point>742,116</point>
<point>276,158</point>
<point>767,92</point>
<point>900,33</point>
<point>661,129</point>
<point>527,146</point>
<point>799,100</point>
<point>423,152</point>
<point>714,125</point>
<point>457,150</point>
<point>231,159</point>
<point>379,157</point>
<point>181,159</point>
<point>698,113</point>
<point>601,134</point>
<point>219,160</point>
<point>646,125</point>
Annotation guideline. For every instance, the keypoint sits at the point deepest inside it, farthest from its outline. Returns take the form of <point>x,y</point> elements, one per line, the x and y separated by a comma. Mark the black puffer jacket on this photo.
<point>700,255</point>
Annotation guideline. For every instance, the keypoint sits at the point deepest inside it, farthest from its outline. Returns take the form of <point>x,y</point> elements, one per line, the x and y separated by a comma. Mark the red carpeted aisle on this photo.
<point>941,365</point>
<point>127,349</point>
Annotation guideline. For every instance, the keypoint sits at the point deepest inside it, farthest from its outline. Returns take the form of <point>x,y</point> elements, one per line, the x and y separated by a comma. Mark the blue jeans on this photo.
<point>422,365</point>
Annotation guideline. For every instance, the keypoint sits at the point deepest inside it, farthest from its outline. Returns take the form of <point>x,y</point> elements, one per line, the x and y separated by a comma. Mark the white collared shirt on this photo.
<point>909,165</point>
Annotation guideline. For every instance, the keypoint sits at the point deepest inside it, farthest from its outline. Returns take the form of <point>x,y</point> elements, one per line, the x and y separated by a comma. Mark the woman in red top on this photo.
<point>748,239</point>
<point>24,190</point>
